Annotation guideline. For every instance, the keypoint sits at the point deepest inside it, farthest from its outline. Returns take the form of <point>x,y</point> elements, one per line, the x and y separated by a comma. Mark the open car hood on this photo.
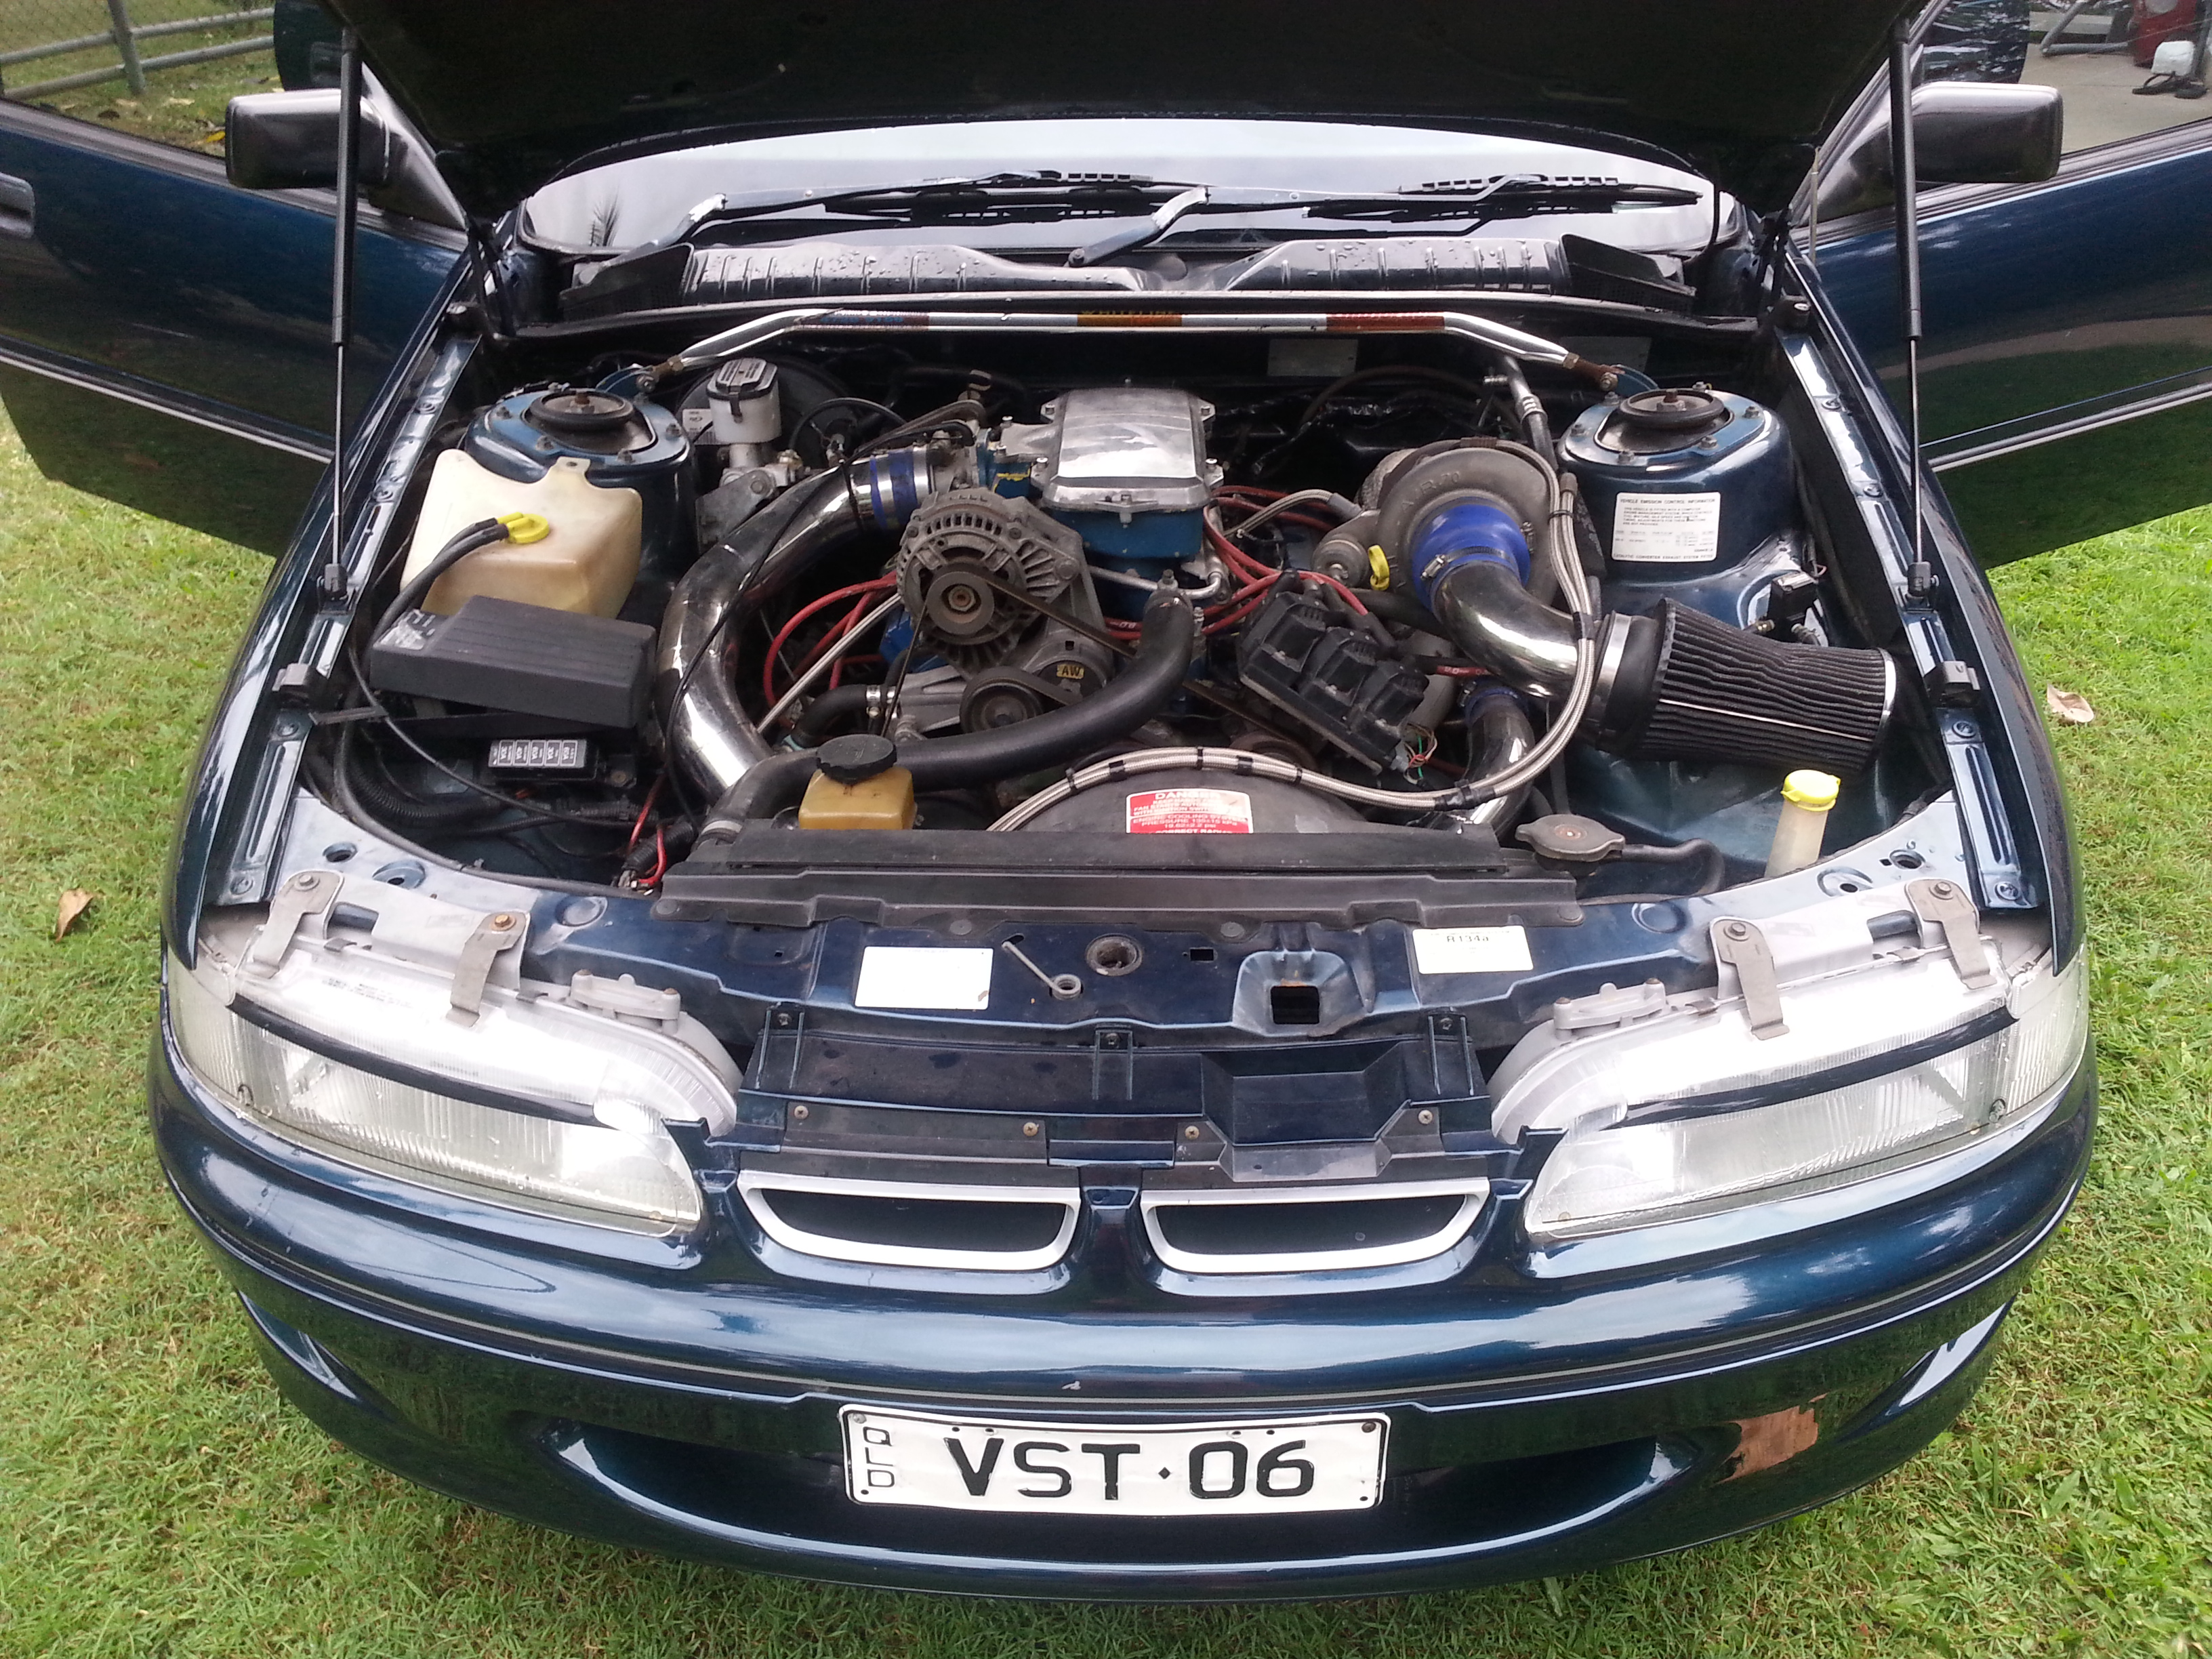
<point>513,93</point>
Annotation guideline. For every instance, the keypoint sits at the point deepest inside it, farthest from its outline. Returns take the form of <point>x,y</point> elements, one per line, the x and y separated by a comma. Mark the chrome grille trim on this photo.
<point>751,1183</point>
<point>1473,1192</point>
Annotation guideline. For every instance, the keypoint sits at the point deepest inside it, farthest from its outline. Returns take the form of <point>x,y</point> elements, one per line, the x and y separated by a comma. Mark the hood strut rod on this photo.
<point>1905,176</point>
<point>342,263</point>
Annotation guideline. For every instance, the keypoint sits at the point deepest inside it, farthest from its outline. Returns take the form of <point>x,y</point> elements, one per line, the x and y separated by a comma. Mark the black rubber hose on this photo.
<point>391,803</point>
<point>1697,850</point>
<point>1140,690</point>
<point>833,707</point>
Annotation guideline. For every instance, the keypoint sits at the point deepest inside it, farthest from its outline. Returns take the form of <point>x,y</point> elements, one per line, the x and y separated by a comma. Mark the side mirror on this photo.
<point>289,141</point>
<point>1964,132</point>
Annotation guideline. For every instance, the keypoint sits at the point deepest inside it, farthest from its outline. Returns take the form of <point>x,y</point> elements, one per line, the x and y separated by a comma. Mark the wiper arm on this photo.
<point>1159,204</point>
<point>995,199</point>
<point>1501,198</point>
<point>1162,222</point>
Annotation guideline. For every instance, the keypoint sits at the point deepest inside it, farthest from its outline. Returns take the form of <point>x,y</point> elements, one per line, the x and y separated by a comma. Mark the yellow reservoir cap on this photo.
<point>1816,790</point>
<point>1378,569</point>
<point>525,527</point>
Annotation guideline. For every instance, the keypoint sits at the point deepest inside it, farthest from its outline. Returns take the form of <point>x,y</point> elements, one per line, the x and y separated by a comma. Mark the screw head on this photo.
<point>306,881</point>
<point>1030,1130</point>
<point>783,1017</point>
<point>800,1113</point>
<point>1427,1117</point>
<point>1190,1132</point>
<point>503,922</point>
<point>1736,929</point>
<point>1942,889</point>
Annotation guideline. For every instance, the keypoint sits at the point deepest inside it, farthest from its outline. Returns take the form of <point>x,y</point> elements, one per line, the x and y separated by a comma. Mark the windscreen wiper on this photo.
<point>1159,204</point>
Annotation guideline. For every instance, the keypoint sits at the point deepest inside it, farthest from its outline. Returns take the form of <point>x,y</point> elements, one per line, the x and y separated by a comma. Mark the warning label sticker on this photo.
<point>1471,950</point>
<point>1190,812</point>
<point>1665,529</point>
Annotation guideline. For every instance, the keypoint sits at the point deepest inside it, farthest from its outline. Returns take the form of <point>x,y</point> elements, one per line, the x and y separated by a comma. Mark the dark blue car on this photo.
<point>1155,805</point>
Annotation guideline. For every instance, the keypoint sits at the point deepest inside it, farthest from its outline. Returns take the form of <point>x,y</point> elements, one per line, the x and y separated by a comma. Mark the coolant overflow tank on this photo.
<point>1682,482</point>
<point>621,443</point>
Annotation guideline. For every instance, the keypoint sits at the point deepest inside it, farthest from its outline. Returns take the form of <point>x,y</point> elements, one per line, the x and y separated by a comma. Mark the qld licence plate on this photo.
<point>1280,1467</point>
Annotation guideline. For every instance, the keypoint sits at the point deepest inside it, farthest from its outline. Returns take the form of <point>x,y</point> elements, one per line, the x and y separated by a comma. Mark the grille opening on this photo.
<point>1304,1229</point>
<point>1200,953</point>
<point>917,1223</point>
<point>1294,1004</point>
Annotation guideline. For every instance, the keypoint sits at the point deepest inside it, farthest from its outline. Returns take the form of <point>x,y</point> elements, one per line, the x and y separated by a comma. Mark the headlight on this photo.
<point>360,1055</point>
<point>1684,1113</point>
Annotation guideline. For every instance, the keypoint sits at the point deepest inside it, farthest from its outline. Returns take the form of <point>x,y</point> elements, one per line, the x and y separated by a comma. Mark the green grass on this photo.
<point>154,1496</point>
<point>183,105</point>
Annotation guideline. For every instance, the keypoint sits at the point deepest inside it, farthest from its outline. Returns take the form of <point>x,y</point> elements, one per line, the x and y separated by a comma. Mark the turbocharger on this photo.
<point>1674,685</point>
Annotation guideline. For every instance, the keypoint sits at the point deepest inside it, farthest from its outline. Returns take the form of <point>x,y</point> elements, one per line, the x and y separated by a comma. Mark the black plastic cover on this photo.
<point>771,876</point>
<point>525,659</point>
<point>1343,683</point>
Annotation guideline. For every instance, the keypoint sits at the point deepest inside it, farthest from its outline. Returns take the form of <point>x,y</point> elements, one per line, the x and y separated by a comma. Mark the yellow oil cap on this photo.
<point>1378,569</point>
<point>525,527</point>
<point>1814,789</point>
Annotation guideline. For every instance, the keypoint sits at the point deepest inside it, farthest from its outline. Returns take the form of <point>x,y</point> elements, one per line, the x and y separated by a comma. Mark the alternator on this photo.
<point>960,551</point>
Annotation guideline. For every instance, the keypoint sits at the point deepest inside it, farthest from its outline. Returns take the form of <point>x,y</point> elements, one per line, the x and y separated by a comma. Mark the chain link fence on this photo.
<point>162,68</point>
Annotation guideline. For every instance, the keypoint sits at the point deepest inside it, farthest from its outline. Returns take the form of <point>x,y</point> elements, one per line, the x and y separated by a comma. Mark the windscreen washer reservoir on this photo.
<point>624,444</point>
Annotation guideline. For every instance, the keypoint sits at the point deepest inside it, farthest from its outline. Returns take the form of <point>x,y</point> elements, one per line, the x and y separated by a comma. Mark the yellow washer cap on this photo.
<point>1814,789</point>
<point>525,527</point>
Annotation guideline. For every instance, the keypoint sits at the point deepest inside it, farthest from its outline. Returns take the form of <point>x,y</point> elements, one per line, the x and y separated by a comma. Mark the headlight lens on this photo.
<point>616,1167</point>
<point>1645,1159</point>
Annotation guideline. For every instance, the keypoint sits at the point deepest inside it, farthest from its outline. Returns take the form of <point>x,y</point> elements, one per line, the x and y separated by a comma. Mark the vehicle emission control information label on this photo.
<point>1471,950</point>
<point>905,977</point>
<point>1190,812</point>
<point>1285,1466</point>
<point>1650,528</point>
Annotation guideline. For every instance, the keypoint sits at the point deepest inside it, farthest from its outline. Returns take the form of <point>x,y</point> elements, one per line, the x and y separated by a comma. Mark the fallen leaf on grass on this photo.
<point>2070,707</point>
<point>75,903</point>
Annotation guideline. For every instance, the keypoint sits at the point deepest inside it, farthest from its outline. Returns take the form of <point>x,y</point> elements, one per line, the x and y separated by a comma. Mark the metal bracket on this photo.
<point>502,930</point>
<point>1453,1071</point>
<point>1114,1064</point>
<point>1944,904</point>
<point>783,1033</point>
<point>304,900</point>
<point>1742,946</point>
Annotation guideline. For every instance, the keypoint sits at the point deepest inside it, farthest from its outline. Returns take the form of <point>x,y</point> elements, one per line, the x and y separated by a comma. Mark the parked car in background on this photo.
<point>1196,807</point>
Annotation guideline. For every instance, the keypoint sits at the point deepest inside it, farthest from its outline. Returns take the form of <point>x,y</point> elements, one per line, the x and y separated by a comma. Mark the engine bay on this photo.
<point>1376,627</point>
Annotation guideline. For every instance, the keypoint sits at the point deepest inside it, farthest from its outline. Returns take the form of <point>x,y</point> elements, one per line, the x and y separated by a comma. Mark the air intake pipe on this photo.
<point>709,733</point>
<point>1674,685</point>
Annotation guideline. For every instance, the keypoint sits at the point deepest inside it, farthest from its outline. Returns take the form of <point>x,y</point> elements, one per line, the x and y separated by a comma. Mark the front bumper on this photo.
<point>1538,1426</point>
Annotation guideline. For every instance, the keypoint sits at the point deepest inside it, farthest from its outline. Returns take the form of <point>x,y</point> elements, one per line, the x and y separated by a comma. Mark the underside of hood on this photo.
<point>513,93</point>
